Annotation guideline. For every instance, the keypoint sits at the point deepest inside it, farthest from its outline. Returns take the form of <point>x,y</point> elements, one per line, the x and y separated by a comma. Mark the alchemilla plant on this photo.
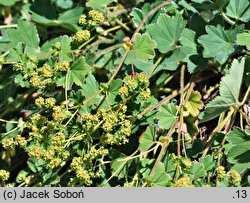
<point>135,93</point>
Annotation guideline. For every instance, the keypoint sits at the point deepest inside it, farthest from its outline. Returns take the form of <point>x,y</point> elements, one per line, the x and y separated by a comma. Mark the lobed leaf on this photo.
<point>167,31</point>
<point>166,116</point>
<point>147,139</point>
<point>218,43</point>
<point>239,9</point>
<point>229,92</point>
<point>243,39</point>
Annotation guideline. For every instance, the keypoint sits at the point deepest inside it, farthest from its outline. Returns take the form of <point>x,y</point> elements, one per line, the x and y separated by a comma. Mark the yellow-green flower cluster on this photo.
<point>55,154</point>
<point>138,84</point>
<point>94,153</point>
<point>115,126</point>
<point>63,66</point>
<point>84,174</point>
<point>221,173</point>
<point>35,80</point>
<point>45,71</point>
<point>184,181</point>
<point>48,103</point>
<point>145,94</point>
<point>4,175</point>
<point>60,113</point>
<point>81,36</point>
<point>22,176</point>
<point>186,162</point>
<point>83,20</point>
<point>234,178</point>
<point>1,60</point>
<point>13,142</point>
<point>96,16</point>
<point>90,121</point>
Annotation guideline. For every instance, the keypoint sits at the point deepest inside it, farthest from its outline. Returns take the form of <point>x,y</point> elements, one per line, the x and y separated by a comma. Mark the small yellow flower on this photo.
<point>45,71</point>
<point>50,102</point>
<point>144,95</point>
<point>8,143</point>
<point>221,172</point>
<point>96,16</point>
<point>81,36</point>
<point>183,182</point>
<point>63,66</point>
<point>83,20</point>
<point>39,102</point>
<point>4,175</point>
<point>234,178</point>
<point>123,91</point>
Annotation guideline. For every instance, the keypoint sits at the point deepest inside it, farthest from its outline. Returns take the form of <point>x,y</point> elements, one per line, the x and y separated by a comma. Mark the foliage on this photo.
<point>124,93</point>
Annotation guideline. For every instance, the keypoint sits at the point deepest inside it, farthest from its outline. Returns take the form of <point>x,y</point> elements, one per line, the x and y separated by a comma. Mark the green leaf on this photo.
<point>68,19</point>
<point>166,32</point>
<point>197,170</point>
<point>231,83</point>
<point>238,149</point>
<point>139,14</point>
<point>218,43</point>
<point>192,126</point>
<point>97,4</point>
<point>160,178</point>
<point>26,33</point>
<point>112,92</point>
<point>77,72</point>
<point>147,139</point>
<point>64,4</point>
<point>215,5</point>
<point>194,104</point>
<point>229,91</point>
<point>237,136</point>
<point>8,2</point>
<point>247,71</point>
<point>166,116</point>
<point>64,42</point>
<point>208,162</point>
<point>214,108</point>
<point>120,164</point>
<point>188,6</point>
<point>89,88</point>
<point>240,154</point>
<point>21,81</point>
<point>171,62</point>
<point>195,149</point>
<point>239,9</point>
<point>143,47</point>
<point>243,39</point>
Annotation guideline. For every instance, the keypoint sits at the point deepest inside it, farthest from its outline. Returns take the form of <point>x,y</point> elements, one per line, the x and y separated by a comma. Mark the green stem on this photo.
<point>5,121</point>
<point>122,24</point>
<point>227,19</point>
<point>245,97</point>
<point>217,129</point>
<point>8,26</point>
